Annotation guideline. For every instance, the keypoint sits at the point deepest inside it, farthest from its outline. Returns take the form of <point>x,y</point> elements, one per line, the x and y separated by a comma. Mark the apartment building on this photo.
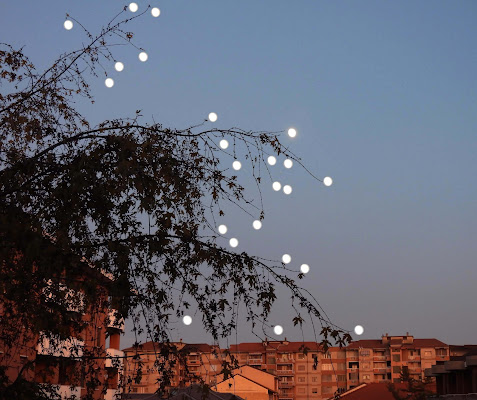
<point>303,369</point>
<point>65,363</point>
<point>371,361</point>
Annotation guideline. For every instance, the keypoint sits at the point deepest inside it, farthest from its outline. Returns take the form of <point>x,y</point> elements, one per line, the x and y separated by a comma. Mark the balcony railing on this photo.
<point>114,322</point>
<point>379,358</point>
<point>353,358</point>
<point>114,359</point>
<point>414,358</point>
<point>379,370</point>
<point>286,384</point>
<point>56,347</point>
<point>285,372</point>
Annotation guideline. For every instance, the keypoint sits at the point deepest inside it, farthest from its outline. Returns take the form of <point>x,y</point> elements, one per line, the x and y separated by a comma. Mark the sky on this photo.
<point>384,98</point>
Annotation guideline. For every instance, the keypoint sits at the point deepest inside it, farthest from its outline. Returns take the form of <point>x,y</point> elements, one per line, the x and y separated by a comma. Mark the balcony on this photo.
<point>193,362</point>
<point>285,361</point>
<point>255,361</point>
<point>379,370</point>
<point>285,372</point>
<point>112,394</point>
<point>352,358</point>
<point>114,359</point>
<point>379,358</point>
<point>56,347</point>
<point>114,322</point>
<point>414,358</point>
<point>286,384</point>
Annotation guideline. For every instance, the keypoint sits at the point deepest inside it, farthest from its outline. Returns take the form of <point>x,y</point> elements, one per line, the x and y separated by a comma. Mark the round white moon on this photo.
<point>277,186</point>
<point>119,66</point>
<point>288,163</point>
<point>305,268</point>
<point>292,132</point>
<point>278,330</point>
<point>272,160</point>
<point>286,258</point>
<point>287,189</point>
<point>213,117</point>
<point>236,165</point>
<point>223,144</point>
<point>187,320</point>
<point>143,56</point>
<point>327,181</point>
<point>233,242</point>
<point>222,229</point>
<point>133,7</point>
<point>257,224</point>
<point>68,24</point>
<point>109,82</point>
<point>155,12</point>
<point>358,329</point>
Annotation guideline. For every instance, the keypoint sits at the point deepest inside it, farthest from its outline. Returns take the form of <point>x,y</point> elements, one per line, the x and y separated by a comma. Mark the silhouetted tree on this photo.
<point>414,390</point>
<point>130,200</point>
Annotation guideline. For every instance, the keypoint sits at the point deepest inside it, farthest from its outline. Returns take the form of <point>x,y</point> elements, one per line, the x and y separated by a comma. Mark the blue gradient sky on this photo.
<point>384,96</point>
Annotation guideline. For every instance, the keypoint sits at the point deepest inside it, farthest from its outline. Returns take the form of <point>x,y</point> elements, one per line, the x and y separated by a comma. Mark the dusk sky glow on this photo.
<point>383,98</point>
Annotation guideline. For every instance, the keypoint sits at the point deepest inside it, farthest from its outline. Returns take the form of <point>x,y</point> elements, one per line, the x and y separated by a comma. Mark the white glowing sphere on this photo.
<point>327,181</point>
<point>224,144</point>
<point>287,189</point>
<point>272,160</point>
<point>233,242</point>
<point>187,320</point>
<point>155,12</point>
<point>286,258</point>
<point>222,229</point>
<point>288,163</point>
<point>133,7</point>
<point>358,329</point>
<point>68,24</point>
<point>257,224</point>
<point>236,165</point>
<point>292,132</point>
<point>119,66</point>
<point>305,268</point>
<point>213,117</point>
<point>277,186</point>
<point>143,56</point>
<point>109,82</point>
<point>278,330</point>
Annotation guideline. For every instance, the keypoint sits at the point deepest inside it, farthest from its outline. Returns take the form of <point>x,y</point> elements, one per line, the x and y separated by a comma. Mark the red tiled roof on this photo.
<point>367,344</point>
<point>428,343</point>
<point>285,347</point>
<point>189,347</point>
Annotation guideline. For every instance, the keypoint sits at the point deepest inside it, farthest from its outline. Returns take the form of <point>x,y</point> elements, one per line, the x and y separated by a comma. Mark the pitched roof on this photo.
<point>187,347</point>
<point>367,344</point>
<point>283,346</point>
<point>371,391</point>
<point>377,344</point>
<point>194,392</point>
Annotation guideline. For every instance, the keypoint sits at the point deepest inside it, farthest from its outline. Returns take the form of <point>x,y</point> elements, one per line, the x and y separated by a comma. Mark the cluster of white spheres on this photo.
<point>213,117</point>
<point>288,163</point>
<point>327,181</point>
<point>133,7</point>
<point>272,160</point>
<point>187,320</point>
<point>257,224</point>
<point>143,56</point>
<point>286,258</point>
<point>233,242</point>
<point>278,330</point>
<point>287,189</point>
<point>223,144</point>
<point>155,12</point>
<point>292,132</point>
<point>358,329</point>
<point>222,229</point>
<point>68,25</point>
<point>276,186</point>
<point>236,165</point>
<point>109,82</point>
<point>119,66</point>
<point>305,268</point>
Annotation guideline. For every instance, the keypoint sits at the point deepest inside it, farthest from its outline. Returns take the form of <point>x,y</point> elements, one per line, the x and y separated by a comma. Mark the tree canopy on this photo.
<point>132,200</point>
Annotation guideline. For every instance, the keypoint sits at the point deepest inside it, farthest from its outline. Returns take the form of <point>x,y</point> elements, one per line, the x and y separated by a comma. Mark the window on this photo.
<point>397,357</point>
<point>341,378</point>
<point>301,368</point>
<point>271,360</point>
<point>326,378</point>
<point>396,350</point>
<point>365,377</point>
<point>301,379</point>
<point>397,370</point>
<point>314,379</point>
<point>327,367</point>
<point>314,390</point>
<point>365,353</point>
<point>327,355</point>
<point>301,356</point>
<point>301,390</point>
<point>428,353</point>
<point>324,390</point>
